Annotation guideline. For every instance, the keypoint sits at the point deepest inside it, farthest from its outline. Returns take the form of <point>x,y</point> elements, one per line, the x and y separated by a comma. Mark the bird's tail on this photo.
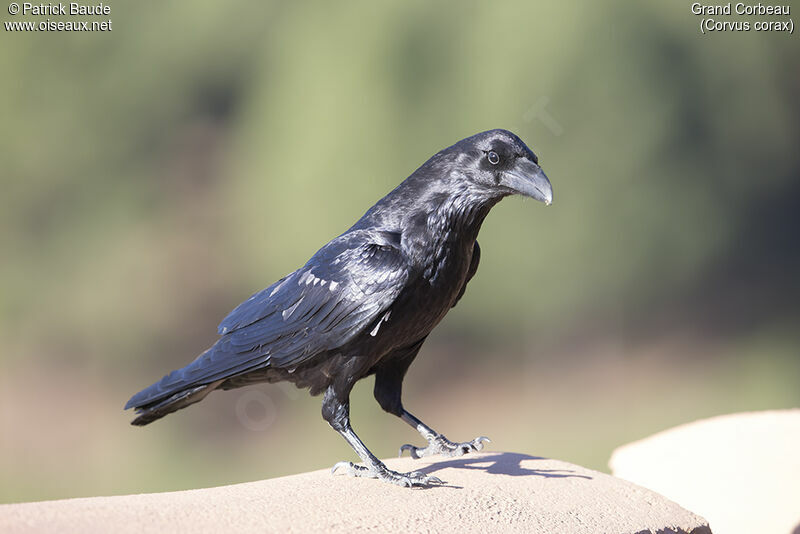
<point>147,413</point>
<point>176,390</point>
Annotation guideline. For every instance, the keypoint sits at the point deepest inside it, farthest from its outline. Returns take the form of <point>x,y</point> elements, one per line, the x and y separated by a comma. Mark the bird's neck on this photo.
<point>444,221</point>
<point>459,217</point>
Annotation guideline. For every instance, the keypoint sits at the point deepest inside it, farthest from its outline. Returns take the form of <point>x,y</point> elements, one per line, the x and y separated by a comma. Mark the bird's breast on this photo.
<point>430,294</point>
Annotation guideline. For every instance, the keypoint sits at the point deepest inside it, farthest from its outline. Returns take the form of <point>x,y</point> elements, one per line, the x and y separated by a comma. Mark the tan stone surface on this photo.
<point>741,471</point>
<point>503,492</point>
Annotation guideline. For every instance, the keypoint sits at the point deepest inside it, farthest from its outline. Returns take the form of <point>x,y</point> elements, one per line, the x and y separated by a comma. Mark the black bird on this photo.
<point>366,301</point>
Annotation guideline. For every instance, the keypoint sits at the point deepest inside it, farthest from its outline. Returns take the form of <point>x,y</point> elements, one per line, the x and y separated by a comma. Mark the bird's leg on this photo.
<point>388,393</point>
<point>437,443</point>
<point>337,413</point>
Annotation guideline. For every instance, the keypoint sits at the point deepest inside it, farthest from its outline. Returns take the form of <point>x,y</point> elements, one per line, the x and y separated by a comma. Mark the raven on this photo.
<point>366,301</point>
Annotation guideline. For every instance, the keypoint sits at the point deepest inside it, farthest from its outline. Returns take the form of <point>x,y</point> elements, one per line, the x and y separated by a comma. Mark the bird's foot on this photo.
<point>381,472</point>
<point>439,444</point>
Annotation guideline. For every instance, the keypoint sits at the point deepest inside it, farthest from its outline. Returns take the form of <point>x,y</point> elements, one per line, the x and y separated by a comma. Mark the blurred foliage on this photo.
<point>156,175</point>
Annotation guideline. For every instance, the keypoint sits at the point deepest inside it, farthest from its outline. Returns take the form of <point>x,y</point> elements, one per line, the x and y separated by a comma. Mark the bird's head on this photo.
<point>497,163</point>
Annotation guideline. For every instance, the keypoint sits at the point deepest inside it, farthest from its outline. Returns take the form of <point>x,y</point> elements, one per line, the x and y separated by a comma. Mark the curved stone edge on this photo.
<point>507,492</point>
<point>741,470</point>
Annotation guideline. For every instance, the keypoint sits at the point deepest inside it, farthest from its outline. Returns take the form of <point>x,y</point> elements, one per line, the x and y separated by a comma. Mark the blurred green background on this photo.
<point>156,175</point>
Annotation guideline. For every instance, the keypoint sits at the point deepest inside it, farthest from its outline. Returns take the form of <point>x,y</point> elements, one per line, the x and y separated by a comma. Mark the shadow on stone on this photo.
<point>504,463</point>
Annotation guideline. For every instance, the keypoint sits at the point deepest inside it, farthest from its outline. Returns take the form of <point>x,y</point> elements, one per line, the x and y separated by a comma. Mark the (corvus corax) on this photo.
<point>365,302</point>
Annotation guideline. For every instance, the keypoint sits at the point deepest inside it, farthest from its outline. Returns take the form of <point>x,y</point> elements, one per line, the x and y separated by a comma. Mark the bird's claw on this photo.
<point>412,450</point>
<point>347,466</point>
<point>415,478</point>
<point>441,445</point>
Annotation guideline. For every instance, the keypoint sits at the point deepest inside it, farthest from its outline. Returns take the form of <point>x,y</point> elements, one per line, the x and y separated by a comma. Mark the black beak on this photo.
<point>527,178</point>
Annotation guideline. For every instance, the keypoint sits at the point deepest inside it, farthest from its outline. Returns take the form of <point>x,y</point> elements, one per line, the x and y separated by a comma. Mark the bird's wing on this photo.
<point>342,289</point>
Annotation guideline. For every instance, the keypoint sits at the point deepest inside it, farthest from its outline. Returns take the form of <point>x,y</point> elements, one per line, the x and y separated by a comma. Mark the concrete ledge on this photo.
<point>741,471</point>
<point>505,492</point>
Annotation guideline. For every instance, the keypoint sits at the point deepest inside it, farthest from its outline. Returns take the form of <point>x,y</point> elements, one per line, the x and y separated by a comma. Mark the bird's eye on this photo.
<point>493,158</point>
